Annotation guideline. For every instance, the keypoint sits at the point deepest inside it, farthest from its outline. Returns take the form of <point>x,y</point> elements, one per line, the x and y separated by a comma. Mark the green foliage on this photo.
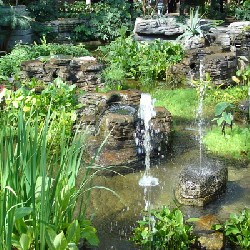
<point>114,77</point>
<point>9,16</point>
<point>141,60</point>
<point>244,75</point>
<point>43,10</point>
<point>58,95</point>
<point>38,188</point>
<point>237,229</point>
<point>223,115</point>
<point>231,94</point>
<point>10,63</point>
<point>102,20</point>
<point>193,27</point>
<point>234,145</point>
<point>242,12</point>
<point>163,229</point>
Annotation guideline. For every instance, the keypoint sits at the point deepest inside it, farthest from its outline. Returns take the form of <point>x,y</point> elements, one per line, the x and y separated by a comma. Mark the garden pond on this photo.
<point>115,217</point>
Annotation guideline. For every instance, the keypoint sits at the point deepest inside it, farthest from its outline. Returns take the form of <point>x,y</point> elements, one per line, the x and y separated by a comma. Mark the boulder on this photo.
<point>199,185</point>
<point>112,119</point>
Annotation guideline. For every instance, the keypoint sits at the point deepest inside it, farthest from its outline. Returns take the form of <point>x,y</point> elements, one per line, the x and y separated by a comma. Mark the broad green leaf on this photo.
<point>60,242</point>
<point>220,121</point>
<point>73,232</point>
<point>21,226</point>
<point>50,235</point>
<point>221,107</point>
<point>179,217</point>
<point>89,233</point>
<point>22,211</point>
<point>232,231</point>
<point>25,241</point>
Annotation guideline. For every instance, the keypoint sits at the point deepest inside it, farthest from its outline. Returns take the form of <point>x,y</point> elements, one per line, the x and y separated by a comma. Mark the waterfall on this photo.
<point>202,90</point>
<point>145,114</point>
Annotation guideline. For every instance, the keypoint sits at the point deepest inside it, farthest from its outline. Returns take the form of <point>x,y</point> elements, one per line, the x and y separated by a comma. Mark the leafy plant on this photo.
<point>237,229</point>
<point>223,115</point>
<point>141,60</point>
<point>242,12</point>
<point>163,229</point>
<point>102,20</point>
<point>58,95</point>
<point>43,10</point>
<point>39,196</point>
<point>193,27</point>
<point>231,94</point>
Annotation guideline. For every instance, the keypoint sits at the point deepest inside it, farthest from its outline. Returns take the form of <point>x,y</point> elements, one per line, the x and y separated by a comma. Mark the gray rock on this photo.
<point>201,185</point>
<point>166,26</point>
<point>82,71</point>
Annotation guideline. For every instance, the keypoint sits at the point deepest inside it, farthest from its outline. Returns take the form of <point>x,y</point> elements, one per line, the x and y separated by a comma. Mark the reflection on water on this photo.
<point>115,218</point>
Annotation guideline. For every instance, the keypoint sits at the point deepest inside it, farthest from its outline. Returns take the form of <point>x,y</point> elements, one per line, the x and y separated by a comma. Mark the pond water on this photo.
<point>115,217</point>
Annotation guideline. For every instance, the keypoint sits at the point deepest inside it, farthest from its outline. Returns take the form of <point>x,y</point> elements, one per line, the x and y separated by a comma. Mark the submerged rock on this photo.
<point>207,237</point>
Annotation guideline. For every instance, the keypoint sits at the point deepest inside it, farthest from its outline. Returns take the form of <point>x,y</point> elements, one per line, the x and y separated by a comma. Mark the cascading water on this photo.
<point>202,90</point>
<point>145,114</point>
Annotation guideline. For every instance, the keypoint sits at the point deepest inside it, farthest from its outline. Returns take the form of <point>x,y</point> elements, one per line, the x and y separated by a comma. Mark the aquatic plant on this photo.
<point>168,231</point>
<point>60,96</point>
<point>237,228</point>
<point>39,195</point>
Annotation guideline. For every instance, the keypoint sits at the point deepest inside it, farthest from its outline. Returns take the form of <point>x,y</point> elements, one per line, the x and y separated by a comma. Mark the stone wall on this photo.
<point>82,71</point>
<point>63,28</point>
<point>219,49</point>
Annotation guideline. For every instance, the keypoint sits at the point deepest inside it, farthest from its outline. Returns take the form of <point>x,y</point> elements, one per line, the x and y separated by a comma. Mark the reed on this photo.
<point>39,194</point>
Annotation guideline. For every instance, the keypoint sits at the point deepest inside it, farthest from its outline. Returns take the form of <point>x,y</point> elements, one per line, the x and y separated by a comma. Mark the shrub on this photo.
<point>242,12</point>
<point>163,229</point>
<point>58,95</point>
<point>141,60</point>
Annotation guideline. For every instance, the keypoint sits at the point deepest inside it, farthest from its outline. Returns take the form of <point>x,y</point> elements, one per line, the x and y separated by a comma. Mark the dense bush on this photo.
<point>140,60</point>
<point>10,63</point>
<point>242,12</point>
<point>43,11</point>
